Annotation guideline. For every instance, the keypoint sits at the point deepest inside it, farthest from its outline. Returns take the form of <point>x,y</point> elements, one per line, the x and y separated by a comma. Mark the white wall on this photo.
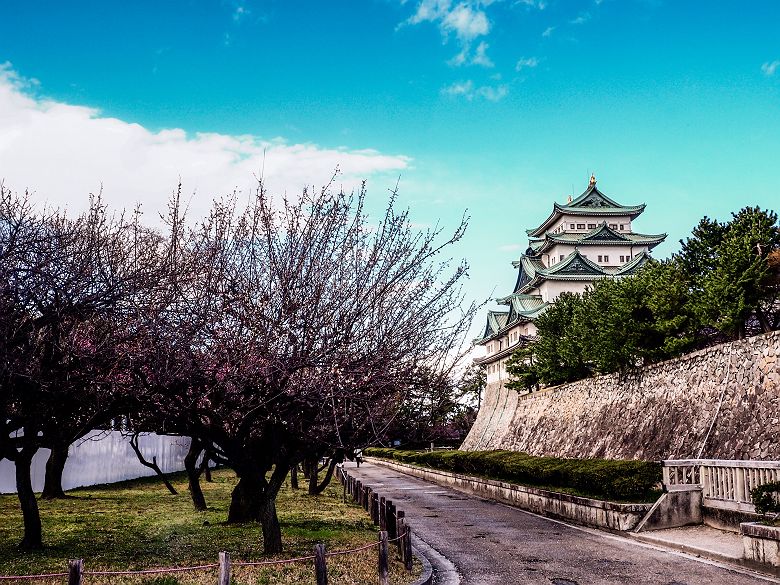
<point>103,457</point>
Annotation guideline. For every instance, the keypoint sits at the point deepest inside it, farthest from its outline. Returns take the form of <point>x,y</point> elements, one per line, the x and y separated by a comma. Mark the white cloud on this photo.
<point>466,20</point>
<point>582,18</point>
<point>510,247</point>
<point>493,93</point>
<point>62,152</point>
<point>465,88</point>
<point>480,57</point>
<point>769,69</point>
<point>469,91</point>
<point>548,31</point>
<point>240,12</point>
<point>526,63</point>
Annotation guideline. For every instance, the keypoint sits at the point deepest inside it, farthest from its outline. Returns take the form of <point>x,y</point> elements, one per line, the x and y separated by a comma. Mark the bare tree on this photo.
<point>297,329</point>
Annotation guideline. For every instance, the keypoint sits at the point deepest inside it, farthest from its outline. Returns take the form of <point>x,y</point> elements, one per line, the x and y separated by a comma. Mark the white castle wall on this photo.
<point>103,457</point>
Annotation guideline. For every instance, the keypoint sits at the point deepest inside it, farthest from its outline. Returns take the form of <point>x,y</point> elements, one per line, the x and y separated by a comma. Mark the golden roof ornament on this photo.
<point>592,180</point>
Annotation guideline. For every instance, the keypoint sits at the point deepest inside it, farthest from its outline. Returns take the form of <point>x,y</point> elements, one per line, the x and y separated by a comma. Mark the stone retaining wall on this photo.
<point>661,411</point>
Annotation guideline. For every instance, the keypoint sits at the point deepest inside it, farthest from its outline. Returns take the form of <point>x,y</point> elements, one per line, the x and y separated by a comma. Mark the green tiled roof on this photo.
<point>495,322</point>
<point>591,202</point>
<point>635,264</point>
<point>522,308</point>
<point>601,235</point>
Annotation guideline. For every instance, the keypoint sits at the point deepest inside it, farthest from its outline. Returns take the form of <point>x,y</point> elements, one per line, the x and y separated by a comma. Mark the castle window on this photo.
<point>580,226</point>
<point>591,226</point>
<point>622,258</point>
<point>601,258</point>
<point>621,227</point>
<point>571,226</point>
<point>606,258</point>
<point>561,257</point>
<point>613,226</point>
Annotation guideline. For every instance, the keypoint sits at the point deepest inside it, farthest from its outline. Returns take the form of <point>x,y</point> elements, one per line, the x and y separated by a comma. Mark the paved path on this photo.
<point>490,543</point>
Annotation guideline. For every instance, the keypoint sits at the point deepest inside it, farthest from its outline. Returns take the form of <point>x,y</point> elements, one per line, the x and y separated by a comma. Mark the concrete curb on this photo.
<point>434,564</point>
<point>753,566</point>
<point>686,548</point>
<point>427,573</point>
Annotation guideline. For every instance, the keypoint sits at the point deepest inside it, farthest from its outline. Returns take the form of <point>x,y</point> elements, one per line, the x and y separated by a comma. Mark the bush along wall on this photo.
<point>608,479</point>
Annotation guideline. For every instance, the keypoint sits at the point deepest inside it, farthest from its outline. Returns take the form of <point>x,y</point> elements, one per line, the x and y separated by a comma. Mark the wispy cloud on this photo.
<point>63,152</point>
<point>539,4</point>
<point>466,20</point>
<point>468,90</point>
<point>582,18</point>
<point>769,68</point>
<point>526,63</point>
<point>240,13</point>
<point>479,57</point>
<point>548,31</point>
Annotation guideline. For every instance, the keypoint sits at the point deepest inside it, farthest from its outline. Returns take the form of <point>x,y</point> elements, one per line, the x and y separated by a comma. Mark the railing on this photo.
<point>725,484</point>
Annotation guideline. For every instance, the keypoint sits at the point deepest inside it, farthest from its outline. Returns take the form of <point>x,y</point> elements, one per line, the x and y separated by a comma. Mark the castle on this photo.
<point>587,239</point>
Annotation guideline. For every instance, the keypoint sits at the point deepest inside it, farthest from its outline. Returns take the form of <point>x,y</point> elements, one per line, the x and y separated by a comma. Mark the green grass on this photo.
<point>138,524</point>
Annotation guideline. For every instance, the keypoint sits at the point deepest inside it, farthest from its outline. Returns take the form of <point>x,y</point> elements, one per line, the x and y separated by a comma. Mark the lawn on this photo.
<point>138,524</point>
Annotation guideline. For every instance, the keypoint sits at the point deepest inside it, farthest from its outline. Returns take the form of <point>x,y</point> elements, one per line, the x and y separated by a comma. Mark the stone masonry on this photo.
<point>662,411</point>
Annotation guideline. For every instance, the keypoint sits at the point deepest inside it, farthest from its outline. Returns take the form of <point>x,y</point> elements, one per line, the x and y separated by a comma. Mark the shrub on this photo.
<point>600,478</point>
<point>767,498</point>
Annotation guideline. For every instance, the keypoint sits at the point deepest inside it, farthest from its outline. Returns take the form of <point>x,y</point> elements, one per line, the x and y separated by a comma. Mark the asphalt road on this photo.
<point>490,543</point>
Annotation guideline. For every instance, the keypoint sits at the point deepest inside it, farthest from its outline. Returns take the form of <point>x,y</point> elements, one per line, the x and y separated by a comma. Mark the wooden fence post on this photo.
<point>224,568</point>
<point>75,569</point>
<point>399,531</point>
<point>320,568</point>
<point>390,521</point>
<point>383,569</point>
<point>375,508</point>
<point>382,513</point>
<point>407,546</point>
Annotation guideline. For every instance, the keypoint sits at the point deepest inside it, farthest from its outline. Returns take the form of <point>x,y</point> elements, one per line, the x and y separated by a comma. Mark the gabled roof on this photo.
<point>634,265</point>
<point>495,322</point>
<point>574,267</point>
<point>522,309</point>
<point>591,202</point>
<point>601,235</point>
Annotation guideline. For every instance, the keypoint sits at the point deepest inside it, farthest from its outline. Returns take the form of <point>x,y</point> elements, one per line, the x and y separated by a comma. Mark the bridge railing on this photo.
<point>725,483</point>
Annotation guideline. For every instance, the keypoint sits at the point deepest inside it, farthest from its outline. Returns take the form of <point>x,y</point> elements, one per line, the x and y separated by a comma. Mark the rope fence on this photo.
<point>392,530</point>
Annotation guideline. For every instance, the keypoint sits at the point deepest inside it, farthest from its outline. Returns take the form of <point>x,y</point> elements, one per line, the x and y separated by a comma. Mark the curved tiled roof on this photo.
<point>602,235</point>
<point>591,202</point>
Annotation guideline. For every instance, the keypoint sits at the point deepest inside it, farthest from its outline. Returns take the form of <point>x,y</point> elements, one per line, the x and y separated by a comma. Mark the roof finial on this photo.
<point>592,180</point>
<point>569,201</point>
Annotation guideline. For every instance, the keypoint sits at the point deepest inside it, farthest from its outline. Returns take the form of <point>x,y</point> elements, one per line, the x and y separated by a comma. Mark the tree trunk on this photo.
<point>294,477</point>
<point>245,501</point>
<point>204,466</point>
<point>193,475</point>
<point>319,488</point>
<point>272,532</point>
<point>33,537</point>
<point>52,486</point>
<point>153,465</point>
<point>313,477</point>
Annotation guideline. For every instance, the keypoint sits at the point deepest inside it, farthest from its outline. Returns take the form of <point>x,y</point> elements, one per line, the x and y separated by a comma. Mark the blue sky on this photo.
<point>500,107</point>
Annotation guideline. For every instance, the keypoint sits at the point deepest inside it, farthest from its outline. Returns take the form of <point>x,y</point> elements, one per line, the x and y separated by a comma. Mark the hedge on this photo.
<point>610,479</point>
<point>767,498</point>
